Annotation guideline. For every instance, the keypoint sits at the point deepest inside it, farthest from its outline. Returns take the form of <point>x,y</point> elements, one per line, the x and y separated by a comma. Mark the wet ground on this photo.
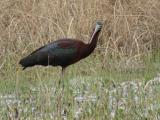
<point>121,96</point>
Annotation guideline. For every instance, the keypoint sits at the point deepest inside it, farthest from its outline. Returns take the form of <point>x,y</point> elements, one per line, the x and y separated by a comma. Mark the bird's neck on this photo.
<point>94,39</point>
<point>91,46</point>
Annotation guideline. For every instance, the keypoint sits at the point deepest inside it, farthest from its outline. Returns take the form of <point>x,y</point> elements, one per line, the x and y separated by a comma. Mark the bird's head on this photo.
<point>97,29</point>
<point>98,26</point>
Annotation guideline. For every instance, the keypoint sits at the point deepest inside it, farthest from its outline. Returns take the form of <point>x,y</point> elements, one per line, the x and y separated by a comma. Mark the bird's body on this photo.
<point>63,52</point>
<point>59,53</point>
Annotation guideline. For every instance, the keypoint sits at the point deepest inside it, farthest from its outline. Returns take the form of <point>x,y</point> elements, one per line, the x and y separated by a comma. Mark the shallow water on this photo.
<point>134,92</point>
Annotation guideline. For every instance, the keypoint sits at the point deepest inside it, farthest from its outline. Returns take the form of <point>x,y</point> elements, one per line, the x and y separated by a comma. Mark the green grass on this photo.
<point>39,92</point>
<point>121,60</point>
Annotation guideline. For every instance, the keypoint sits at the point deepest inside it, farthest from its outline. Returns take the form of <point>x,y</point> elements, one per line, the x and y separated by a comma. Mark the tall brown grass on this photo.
<point>131,27</point>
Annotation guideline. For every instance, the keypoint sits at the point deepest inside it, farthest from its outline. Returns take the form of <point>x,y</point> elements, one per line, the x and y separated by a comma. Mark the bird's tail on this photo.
<point>27,61</point>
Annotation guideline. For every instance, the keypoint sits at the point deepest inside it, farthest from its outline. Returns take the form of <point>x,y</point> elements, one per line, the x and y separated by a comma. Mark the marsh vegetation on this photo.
<point>120,80</point>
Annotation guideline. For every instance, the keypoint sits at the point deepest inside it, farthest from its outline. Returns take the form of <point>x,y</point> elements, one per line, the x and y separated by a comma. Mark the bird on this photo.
<point>62,52</point>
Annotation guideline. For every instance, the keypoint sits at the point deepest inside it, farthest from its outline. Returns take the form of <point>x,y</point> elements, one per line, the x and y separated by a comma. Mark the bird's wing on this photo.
<point>38,49</point>
<point>59,53</point>
<point>56,53</point>
<point>62,48</point>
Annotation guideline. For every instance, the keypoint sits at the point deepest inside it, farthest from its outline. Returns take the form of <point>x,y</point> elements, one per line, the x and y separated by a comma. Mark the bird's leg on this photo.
<point>61,93</point>
<point>61,79</point>
<point>61,82</point>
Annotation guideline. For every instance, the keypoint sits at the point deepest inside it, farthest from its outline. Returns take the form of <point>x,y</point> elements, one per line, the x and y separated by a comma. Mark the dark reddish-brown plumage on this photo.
<point>63,52</point>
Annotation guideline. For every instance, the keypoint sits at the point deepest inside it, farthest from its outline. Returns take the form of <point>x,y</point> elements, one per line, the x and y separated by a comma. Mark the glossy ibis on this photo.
<point>62,52</point>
